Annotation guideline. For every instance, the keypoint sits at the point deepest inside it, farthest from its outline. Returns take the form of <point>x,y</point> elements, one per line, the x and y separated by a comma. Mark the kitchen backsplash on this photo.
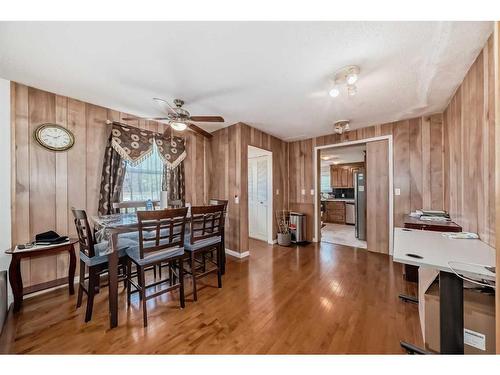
<point>348,193</point>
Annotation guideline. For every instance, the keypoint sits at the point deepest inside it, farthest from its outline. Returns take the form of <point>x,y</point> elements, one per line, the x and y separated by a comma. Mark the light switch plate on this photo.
<point>397,191</point>
<point>277,191</point>
<point>237,200</point>
<point>303,192</point>
<point>312,191</point>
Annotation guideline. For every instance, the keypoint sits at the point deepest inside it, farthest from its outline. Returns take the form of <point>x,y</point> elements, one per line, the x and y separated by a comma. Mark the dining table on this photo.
<point>109,227</point>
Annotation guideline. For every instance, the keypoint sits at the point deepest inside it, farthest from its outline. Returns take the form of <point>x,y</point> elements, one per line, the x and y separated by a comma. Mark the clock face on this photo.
<point>54,137</point>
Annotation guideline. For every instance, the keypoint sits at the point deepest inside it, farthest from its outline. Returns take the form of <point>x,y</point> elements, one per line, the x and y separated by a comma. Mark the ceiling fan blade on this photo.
<point>207,118</point>
<point>146,118</point>
<point>198,130</point>
<point>165,106</point>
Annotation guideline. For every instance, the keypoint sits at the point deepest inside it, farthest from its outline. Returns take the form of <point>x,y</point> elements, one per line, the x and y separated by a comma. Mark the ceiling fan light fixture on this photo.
<point>179,126</point>
<point>334,92</point>
<point>352,90</point>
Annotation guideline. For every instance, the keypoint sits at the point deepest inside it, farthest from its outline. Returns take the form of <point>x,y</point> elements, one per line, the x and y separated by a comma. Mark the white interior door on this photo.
<point>258,202</point>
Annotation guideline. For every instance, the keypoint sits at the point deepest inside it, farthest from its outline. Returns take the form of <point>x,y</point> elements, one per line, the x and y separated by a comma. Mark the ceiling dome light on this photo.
<point>334,92</point>
<point>352,90</point>
<point>351,78</point>
<point>179,126</point>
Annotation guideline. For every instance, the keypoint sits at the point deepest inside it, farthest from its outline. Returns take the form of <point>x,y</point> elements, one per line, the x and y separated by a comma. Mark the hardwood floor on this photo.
<point>313,299</point>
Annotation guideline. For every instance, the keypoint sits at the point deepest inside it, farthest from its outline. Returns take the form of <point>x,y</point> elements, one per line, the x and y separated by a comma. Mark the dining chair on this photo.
<point>160,241</point>
<point>206,228</point>
<point>133,206</point>
<point>93,256</point>
<point>215,202</point>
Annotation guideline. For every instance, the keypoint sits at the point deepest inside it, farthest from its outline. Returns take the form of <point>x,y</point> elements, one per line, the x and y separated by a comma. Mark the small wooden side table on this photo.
<point>15,277</point>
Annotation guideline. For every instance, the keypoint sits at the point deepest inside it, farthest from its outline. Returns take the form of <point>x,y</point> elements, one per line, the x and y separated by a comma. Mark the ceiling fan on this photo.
<point>179,118</point>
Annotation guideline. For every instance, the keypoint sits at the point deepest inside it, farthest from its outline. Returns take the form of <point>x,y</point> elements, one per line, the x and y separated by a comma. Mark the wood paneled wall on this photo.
<point>228,171</point>
<point>418,165</point>
<point>469,144</point>
<point>46,184</point>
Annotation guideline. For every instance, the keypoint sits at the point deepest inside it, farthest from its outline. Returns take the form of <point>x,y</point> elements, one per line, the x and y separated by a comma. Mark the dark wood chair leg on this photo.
<point>219,266</point>
<point>81,284</point>
<point>129,277</point>
<point>181,282</point>
<point>142,285</point>
<point>223,255</point>
<point>154,272</point>
<point>159,270</point>
<point>192,264</point>
<point>90,293</point>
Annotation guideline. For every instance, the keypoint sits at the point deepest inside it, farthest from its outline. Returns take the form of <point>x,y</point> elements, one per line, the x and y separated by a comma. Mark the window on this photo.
<point>143,182</point>
<point>325,180</point>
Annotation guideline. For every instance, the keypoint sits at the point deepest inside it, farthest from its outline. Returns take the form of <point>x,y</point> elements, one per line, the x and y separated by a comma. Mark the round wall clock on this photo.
<point>54,137</point>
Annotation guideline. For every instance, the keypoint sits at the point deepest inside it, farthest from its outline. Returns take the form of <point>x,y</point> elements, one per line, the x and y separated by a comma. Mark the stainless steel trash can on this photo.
<point>298,226</point>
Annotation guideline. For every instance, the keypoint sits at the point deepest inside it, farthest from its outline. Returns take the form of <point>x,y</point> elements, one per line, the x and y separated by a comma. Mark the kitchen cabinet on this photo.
<point>341,176</point>
<point>334,212</point>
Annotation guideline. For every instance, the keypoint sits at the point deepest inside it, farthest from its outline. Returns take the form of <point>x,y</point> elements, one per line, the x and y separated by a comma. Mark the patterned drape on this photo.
<point>173,182</point>
<point>113,173</point>
<point>172,150</point>
<point>133,144</point>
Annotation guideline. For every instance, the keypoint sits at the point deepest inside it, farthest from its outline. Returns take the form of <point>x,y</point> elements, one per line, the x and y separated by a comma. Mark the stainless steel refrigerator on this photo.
<point>360,204</point>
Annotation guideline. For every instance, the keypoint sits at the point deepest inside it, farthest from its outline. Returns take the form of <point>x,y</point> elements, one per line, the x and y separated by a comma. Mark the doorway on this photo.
<point>377,175</point>
<point>260,187</point>
<point>343,195</point>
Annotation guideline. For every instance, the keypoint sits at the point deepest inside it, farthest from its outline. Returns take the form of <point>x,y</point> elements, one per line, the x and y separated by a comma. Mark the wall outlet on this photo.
<point>312,191</point>
<point>277,191</point>
<point>303,192</point>
<point>397,191</point>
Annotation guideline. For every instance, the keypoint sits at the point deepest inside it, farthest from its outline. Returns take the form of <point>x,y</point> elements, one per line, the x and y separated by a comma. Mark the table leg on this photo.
<point>451,313</point>
<point>113,281</point>
<point>72,269</point>
<point>16,281</point>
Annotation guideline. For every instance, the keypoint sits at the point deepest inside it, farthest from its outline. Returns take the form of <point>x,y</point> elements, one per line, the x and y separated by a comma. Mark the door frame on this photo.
<point>269,156</point>
<point>391,183</point>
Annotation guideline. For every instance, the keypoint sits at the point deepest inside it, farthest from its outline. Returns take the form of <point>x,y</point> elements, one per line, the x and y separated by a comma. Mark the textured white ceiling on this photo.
<point>271,75</point>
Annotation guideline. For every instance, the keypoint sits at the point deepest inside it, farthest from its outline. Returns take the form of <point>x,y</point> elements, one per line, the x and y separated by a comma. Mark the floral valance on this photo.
<point>134,145</point>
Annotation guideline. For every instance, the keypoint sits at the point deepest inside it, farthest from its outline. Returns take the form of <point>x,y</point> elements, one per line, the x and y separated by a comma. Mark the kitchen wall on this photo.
<point>469,149</point>
<point>228,170</point>
<point>418,165</point>
<point>46,185</point>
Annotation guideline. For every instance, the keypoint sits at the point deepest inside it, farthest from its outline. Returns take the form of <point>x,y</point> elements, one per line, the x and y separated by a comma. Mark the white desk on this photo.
<point>434,250</point>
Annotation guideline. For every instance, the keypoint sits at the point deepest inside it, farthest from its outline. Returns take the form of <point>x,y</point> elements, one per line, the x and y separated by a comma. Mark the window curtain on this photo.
<point>172,151</point>
<point>173,183</point>
<point>113,172</point>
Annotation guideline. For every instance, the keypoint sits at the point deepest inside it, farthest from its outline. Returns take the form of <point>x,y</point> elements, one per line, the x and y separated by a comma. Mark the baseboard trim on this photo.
<point>237,254</point>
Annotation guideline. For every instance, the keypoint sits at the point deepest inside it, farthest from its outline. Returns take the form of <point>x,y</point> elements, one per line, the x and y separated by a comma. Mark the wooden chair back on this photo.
<point>175,204</point>
<point>85,234</point>
<point>215,202</point>
<point>206,222</point>
<point>160,230</point>
<point>133,206</point>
